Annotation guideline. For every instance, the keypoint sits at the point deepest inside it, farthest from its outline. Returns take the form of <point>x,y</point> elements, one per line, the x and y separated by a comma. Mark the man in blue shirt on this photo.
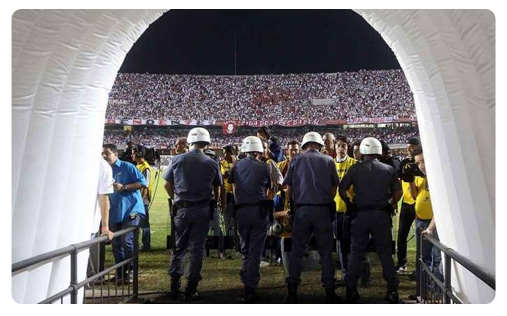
<point>126,206</point>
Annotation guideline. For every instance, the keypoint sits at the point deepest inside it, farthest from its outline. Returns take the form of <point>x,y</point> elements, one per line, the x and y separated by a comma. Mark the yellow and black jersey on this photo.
<point>226,167</point>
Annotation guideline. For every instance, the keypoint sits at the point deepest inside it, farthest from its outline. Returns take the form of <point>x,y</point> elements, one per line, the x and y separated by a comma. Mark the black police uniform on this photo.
<point>373,182</point>
<point>193,176</point>
<point>251,178</point>
<point>311,176</point>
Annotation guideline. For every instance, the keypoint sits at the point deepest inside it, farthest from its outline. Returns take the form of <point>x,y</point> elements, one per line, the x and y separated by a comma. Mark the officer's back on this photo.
<point>311,176</point>
<point>194,174</point>
<point>373,183</point>
<point>251,178</point>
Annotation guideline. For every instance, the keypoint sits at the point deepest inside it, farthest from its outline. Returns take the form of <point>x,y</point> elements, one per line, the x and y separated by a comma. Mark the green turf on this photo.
<point>220,276</point>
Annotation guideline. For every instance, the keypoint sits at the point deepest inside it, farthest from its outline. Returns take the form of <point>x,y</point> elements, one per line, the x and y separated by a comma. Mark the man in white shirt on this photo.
<point>101,215</point>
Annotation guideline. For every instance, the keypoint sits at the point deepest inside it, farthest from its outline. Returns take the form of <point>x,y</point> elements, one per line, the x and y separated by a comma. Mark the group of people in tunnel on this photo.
<point>321,188</point>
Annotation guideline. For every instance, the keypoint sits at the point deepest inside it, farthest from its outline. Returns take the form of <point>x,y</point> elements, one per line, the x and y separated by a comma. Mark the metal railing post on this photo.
<point>73,275</point>
<point>135,272</point>
<point>447,278</point>
<point>418,263</point>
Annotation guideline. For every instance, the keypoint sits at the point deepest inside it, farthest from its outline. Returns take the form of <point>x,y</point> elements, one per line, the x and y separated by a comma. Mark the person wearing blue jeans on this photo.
<point>123,246</point>
<point>126,205</point>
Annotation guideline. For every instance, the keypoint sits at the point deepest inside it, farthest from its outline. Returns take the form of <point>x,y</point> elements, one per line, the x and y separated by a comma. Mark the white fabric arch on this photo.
<point>64,63</point>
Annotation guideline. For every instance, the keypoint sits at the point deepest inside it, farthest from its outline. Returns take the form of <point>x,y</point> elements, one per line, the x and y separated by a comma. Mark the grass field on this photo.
<point>221,282</point>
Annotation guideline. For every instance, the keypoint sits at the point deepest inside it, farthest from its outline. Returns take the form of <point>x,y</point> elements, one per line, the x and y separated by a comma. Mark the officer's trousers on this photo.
<point>252,230</point>
<point>316,220</point>
<point>378,224</point>
<point>191,228</point>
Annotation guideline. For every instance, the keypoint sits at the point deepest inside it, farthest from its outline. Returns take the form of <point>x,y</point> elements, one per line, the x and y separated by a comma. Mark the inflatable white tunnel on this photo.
<point>64,63</point>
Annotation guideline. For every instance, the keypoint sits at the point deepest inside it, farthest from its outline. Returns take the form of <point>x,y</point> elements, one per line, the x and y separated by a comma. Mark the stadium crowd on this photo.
<point>155,137</point>
<point>381,93</point>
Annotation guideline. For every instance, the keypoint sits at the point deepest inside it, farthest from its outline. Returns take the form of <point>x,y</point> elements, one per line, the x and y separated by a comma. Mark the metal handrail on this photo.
<point>20,265</point>
<point>73,251</point>
<point>468,264</point>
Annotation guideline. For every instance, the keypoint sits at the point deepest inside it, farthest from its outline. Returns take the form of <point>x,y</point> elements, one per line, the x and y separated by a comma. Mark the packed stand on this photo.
<point>379,93</point>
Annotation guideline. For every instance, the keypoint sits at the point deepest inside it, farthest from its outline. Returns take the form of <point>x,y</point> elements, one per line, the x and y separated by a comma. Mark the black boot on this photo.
<point>191,293</point>
<point>393,297</point>
<point>250,295</point>
<point>175,287</point>
<point>332,297</point>
<point>352,295</point>
<point>292,294</point>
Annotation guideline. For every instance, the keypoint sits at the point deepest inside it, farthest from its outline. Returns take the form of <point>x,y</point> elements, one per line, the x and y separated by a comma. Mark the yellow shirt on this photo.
<point>342,169</point>
<point>282,165</point>
<point>142,167</point>
<point>407,195</point>
<point>423,209</point>
<point>226,166</point>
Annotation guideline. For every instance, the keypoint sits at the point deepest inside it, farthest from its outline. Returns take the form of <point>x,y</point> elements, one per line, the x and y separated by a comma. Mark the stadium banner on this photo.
<point>285,123</point>
<point>371,120</point>
<point>336,122</point>
<point>160,122</point>
<point>324,101</point>
<point>195,122</point>
<point>229,128</point>
<point>405,119</point>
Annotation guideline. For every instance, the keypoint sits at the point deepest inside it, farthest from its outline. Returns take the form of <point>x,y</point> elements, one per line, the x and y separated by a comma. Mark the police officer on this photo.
<point>374,185</point>
<point>192,179</point>
<point>312,181</point>
<point>251,179</point>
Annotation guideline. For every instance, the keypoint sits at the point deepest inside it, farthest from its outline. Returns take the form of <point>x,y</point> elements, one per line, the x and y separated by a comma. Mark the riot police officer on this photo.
<point>312,181</point>
<point>377,189</point>
<point>251,179</point>
<point>192,180</point>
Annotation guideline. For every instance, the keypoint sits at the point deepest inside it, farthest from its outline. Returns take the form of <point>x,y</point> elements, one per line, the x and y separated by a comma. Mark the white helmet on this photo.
<point>252,144</point>
<point>313,137</point>
<point>370,146</point>
<point>198,134</point>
